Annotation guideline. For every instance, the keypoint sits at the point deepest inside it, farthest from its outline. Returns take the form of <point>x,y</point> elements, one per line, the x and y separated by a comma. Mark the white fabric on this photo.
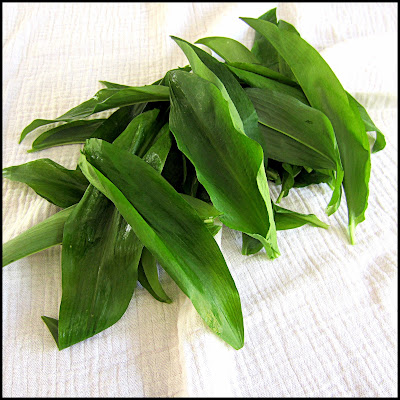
<point>320,321</point>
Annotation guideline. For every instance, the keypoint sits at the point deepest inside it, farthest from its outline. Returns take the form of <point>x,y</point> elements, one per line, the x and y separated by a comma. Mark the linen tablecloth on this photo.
<point>320,320</point>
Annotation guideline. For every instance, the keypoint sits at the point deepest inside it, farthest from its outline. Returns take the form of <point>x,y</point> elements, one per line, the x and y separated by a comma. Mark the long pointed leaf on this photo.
<point>148,276</point>
<point>101,252</point>
<point>69,133</point>
<point>284,219</point>
<point>42,236</point>
<point>298,134</point>
<point>201,123</point>
<point>325,93</point>
<point>261,48</point>
<point>171,229</point>
<point>58,185</point>
<point>105,99</point>
<point>229,49</point>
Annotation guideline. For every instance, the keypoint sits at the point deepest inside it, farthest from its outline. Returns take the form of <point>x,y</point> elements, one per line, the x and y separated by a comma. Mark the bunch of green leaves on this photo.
<point>179,158</point>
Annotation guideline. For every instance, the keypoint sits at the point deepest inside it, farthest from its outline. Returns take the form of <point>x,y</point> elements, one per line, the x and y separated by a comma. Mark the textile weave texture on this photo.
<point>320,320</point>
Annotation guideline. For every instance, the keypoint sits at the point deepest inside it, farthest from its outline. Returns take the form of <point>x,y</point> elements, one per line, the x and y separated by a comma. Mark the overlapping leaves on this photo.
<point>180,157</point>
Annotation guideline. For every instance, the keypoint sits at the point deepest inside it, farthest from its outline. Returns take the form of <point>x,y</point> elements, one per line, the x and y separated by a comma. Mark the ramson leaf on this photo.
<point>172,231</point>
<point>325,93</point>
<point>202,125</point>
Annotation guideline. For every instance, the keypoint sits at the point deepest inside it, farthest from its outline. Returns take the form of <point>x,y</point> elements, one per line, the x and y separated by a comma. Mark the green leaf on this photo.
<point>78,131</point>
<point>298,134</point>
<point>100,256</point>
<point>111,85</point>
<point>242,111</point>
<point>290,172</point>
<point>207,212</point>
<point>42,236</point>
<point>261,82</point>
<point>380,142</point>
<point>105,99</point>
<point>201,122</point>
<point>262,49</point>
<point>148,277</point>
<point>69,133</point>
<point>101,252</point>
<point>133,95</point>
<point>229,49</point>
<point>284,219</point>
<point>313,177</point>
<point>204,210</point>
<point>263,71</point>
<point>172,231</point>
<point>58,185</point>
<point>288,219</point>
<point>325,93</point>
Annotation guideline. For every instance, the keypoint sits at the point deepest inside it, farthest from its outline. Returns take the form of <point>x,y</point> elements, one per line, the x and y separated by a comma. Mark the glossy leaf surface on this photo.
<point>101,252</point>
<point>261,48</point>
<point>105,99</point>
<point>229,49</point>
<point>201,123</point>
<point>58,185</point>
<point>69,133</point>
<point>171,229</point>
<point>325,93</point>
<point>298,134</point>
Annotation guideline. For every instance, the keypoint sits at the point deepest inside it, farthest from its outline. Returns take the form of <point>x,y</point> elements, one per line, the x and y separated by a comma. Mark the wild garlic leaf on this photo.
<point>237,55</point>
<point>258,81</point>
<point>101,252</point>
<point>284,219</point>
<point>148,277</point>
<point>202,125</point>
<point>58,185</point>
<point>380,142</point>
<point>105,99</point>
<point>41,236</point>
<point>229,49</point>
<point>69,133</point>
<point>172,231</point>
<point>298,134</point>
<point>325,93</point>
<point>288,219</point>
<point>262,49</point>
<point>290,172</point>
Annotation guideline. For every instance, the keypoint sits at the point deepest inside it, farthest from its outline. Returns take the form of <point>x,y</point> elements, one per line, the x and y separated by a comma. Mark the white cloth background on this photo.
<point>321,320</point>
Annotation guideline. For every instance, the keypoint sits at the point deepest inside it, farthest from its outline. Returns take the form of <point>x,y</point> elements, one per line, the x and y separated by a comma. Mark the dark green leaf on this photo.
<point>261,82</point>
<point>290,172</point>
<point>173,232</point>
<point>262,49</point>
<point>201,122</point>
<point>101,252</point>
<point>69,133</point>
<point>229,49</point>
<point>263,71</point>
<point>298,134</point>
<point>106,99</point>
<point>313,177</point>
<point>42,236</point>
<point>148,277</point>
<point>325,93</point>
<point>58,185</point>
